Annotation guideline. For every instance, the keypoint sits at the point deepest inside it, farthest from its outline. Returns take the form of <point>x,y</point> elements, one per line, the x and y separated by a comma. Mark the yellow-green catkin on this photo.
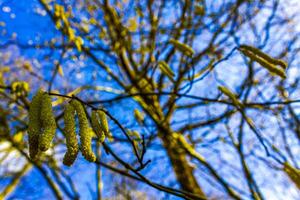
<point>1,82</point>
<point>48,123</point>
<point>34,124</point>
<point>139,116</point>
<point>268,58</point>
<point>293,174</point>
<point>20,88</point>
<point>166,69</point>
<point>104,124</point>
<point>85,132</point>
<point>97,126</point>
<point>269,66</point>
<point>184,48</point>
<point>70,134</point>
<point>231,95</point>
<point>265,60</point>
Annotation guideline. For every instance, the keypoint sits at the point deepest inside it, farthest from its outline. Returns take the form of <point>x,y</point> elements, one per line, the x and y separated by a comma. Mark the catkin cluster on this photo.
<point>275,66</point>
<point>42,125</point>
<point>62,22</point>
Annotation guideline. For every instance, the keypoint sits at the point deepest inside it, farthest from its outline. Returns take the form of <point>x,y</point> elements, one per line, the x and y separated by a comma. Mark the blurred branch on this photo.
<point>15,181</point>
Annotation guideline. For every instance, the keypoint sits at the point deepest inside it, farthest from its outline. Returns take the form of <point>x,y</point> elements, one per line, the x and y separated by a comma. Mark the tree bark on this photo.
<point>183,171</point>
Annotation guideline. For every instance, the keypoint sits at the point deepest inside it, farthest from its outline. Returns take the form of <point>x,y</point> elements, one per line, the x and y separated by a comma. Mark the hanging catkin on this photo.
<point>85,132</point>
<point>184,48</point>
<point>231,95</point>
<point>264,60</point>
<point>293,174</point>
<point>97,126</point>
<point>70,134</point>
<point>104,124</point>
<point>166,69</point>
<point>48,123</point>
<point>261,54</point>
<point>34,124</point>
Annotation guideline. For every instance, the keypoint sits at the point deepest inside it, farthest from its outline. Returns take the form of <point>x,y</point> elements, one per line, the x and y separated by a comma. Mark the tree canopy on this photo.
<point>145,99</point>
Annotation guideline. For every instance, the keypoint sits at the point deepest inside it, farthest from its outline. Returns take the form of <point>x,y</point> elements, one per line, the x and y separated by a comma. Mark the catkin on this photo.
<point>104,124</point>
<point>34,124</point>
<point>20,88</point>
<point>231,95</point>
<point>187,50</point>
<point>48,123</point>
<point>271,67</point>
<point>97,126</point>
<point>261,54</point>
<point>70,134</point>
<point>85,132</point>
<point>139,116</point>
<point>293,174</point>
<point>1,82</point>
<point>264,60</point>
<point>166,69</point>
